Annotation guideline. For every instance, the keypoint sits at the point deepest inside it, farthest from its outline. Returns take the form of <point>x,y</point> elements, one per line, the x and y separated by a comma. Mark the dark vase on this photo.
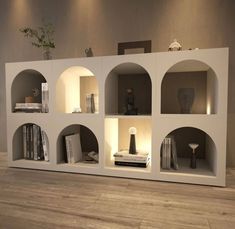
<point>193,163</point>
<point>186,98</point>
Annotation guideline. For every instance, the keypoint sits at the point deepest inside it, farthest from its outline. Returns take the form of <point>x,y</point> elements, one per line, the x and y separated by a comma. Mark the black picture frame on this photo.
<point>146,45</point>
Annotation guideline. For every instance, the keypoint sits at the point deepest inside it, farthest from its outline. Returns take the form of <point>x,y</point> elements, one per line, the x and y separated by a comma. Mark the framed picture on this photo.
<point>134,47</point>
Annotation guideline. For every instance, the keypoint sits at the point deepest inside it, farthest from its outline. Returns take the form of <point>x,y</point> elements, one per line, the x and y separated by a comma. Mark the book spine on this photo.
<point>45,145</point>
<point>68,148</point>
<point>131,160</point>
<point>31,141</point>
<point>35,142</point>
<point>134,164</point>
<point>25,141</point>
<point>129,157</point>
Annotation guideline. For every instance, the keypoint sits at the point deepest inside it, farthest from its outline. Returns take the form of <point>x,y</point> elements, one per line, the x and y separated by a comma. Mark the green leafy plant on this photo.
<point>43,35</point>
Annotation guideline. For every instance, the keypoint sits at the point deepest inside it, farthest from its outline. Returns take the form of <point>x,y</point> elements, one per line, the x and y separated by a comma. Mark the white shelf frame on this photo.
<point>156,64</point>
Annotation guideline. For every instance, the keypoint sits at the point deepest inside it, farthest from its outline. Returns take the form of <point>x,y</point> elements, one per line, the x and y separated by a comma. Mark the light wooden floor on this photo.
<point>40,199</point>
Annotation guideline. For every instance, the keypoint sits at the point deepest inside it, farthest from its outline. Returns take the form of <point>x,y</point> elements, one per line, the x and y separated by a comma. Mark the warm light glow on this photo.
<point>68,88</point>
<point>132,130</point>
<point>208,108</point>
<point>144,146</point>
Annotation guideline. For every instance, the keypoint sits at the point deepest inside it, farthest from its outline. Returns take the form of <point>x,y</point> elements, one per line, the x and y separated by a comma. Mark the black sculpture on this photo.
<point>130,103</point>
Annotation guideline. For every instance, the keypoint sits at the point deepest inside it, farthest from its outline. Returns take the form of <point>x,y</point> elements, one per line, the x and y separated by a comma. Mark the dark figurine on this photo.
<point>88,52</point>
<point>130,103</point>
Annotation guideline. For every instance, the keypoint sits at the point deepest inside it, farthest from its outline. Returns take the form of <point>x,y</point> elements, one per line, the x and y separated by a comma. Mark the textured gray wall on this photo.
<point>101,24</point>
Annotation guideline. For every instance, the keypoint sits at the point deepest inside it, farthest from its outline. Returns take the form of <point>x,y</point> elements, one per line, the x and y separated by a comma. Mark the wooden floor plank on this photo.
<point>43,199</point>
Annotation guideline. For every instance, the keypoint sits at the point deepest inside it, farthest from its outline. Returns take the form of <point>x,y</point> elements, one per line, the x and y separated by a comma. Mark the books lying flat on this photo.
<point>136,160</point>
<point>28,107</point>
<point>125,155</point>
<point>134,164</point>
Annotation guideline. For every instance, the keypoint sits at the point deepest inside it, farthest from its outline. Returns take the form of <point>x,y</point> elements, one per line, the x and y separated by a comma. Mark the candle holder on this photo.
<point>132,147</point>
<point>193,163</point>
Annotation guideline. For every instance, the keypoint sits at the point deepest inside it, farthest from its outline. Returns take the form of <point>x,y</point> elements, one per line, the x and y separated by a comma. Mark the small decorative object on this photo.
<point>130,103</point>
<point>88,52</point>
<point>193,146</point>
<point>132,147</point>
<point>145,45</point>
<point>175,46</point>
<point>43,36</point>
<point>30,99</point>
<point>90,103</point>
<point>77,110</point>
<point>186,98</point>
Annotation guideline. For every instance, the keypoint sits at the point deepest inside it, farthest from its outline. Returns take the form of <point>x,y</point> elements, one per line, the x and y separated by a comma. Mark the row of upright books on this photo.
<point>74,151</point>
<point>35,143</point>
<point>123,158</point>
<point>35,107</point>
<point>169,154</point>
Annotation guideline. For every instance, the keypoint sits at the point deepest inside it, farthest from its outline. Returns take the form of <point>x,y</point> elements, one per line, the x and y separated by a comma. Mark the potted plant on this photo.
<point>42,38</point>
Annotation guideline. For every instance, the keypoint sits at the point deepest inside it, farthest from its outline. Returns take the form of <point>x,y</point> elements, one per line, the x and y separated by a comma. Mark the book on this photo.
<point>45,97</point>
<point>24,141</point>
<point>166,153</point>
<point>73,148</point>
<point>121,159</point>
<point>35,142</point>
<point>28,105</point>
<point>169,153</point>
<point>174,160</point>
<point>133,164</point>
<point>45,145</point>
<point>125,155</point>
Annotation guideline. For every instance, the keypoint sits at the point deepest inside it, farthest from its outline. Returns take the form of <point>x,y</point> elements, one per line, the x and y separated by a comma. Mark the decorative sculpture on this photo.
<point>130,103</point>
<point>175,46</point>
<point>193,163</point>
<point>186,98</point>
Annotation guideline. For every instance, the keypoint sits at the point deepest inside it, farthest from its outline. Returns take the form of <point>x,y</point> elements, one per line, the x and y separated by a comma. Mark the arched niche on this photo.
<point>121,78</point>
<point>189,82</point>
<point>23,86</point>
<point>206,152</point>
<point>30,142</point>
<point>84,137</point>
<point>73,89</point>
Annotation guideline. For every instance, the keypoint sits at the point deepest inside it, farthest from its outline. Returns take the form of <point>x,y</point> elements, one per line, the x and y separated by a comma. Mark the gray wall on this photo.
<point>101,24</point>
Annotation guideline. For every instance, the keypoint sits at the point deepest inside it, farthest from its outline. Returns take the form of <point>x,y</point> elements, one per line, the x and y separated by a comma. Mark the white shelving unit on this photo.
<point>155,79</point>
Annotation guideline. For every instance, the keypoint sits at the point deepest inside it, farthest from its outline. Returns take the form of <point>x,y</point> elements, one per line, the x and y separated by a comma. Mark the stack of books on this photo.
<point>169,154</point>
<point>28,107</point>
<point>35,143</point>
<point>136,160</point>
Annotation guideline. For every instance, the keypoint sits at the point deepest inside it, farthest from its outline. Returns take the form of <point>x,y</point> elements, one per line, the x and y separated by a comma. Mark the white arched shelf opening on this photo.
<point>177,152</point>
<point>77,91</point>
<point>189,87</point>
<point>76,145</point>
<point>27,83</point>
<point>124,77</point>
<point>30,142</point>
